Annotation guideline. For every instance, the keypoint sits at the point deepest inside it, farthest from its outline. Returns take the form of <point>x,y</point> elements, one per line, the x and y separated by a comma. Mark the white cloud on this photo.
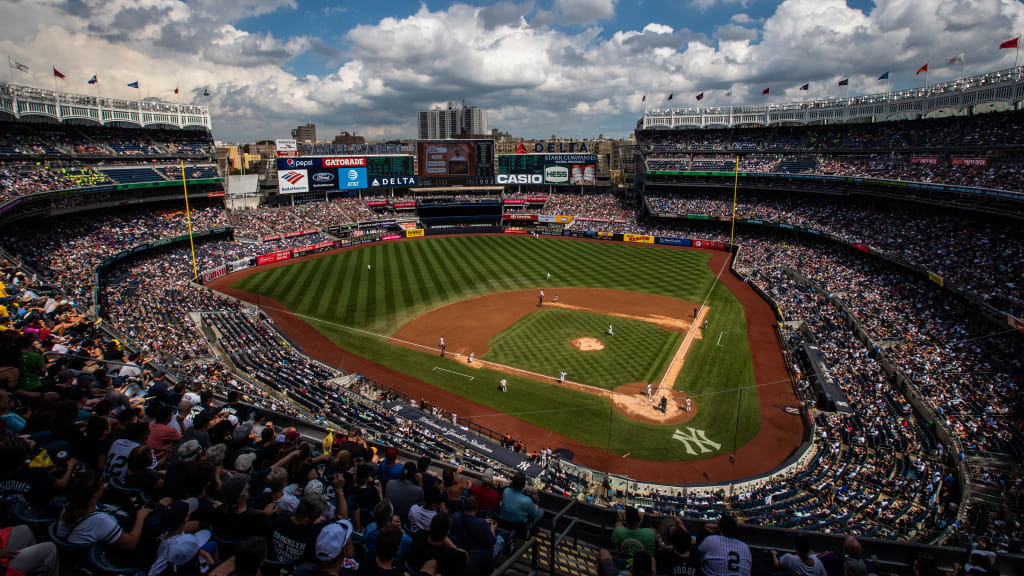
<point>534,75</point>
<point>705,5</point>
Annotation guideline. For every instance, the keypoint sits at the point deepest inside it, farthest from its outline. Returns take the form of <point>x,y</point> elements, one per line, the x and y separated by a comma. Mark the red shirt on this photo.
<point>159,436</point>
<point>487,497</point>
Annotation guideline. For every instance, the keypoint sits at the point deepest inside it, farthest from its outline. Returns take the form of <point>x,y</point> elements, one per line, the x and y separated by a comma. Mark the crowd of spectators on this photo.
<point>22,177</point>
<point>271,220</point>
<point>981,255</point>
<point>66,140</point>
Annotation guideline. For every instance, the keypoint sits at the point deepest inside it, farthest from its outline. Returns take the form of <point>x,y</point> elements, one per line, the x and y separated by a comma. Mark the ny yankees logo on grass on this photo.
<point>698,437</point>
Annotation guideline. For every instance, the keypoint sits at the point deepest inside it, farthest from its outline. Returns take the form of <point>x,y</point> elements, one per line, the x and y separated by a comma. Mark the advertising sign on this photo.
<point>530,217</point>
<point>935,278</point>
<point>376,203</point>
<point>414,233</point>
<point>668,241</point>
<point>405,204</point>
<point>292,181</point>
<point>540,199</point>
<point>556,174</point>
<point>1015,323</point>
<point>969,161</point>
<point>382,182</point>
<point>392,237</point>
<point>455,162</point>
<point>211,275</point>
<point>710,244</point>
<point>583,175</point>
<point>554,219</point>
<point>519,179</point>
<point>286,147</point>
<point>344,162</point>
<point>323,179</point>
<point>638,238</point>
<point>273,257</point>
<point>924,160</point>
<point>352,178</point>
<point>513,202</point>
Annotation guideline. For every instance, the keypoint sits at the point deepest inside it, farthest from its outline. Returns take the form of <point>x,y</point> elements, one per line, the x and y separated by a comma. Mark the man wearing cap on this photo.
<point>390,469</point>
<point>678,558</point>
<point>631,530</point>
<point>293,536</point>
<point>722,554</point>
<point>235,520</point>
<point>334,551</point>
<point>485,493</point>
<point>177,546</point>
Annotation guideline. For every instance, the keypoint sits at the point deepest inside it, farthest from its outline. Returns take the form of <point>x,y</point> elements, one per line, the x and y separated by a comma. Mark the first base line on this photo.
<point>454,372</point>
<point>720,334</point>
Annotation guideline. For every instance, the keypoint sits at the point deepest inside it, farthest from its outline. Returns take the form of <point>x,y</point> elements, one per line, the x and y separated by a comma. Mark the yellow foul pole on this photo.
<point>735,185</point>
<point>188,216</point>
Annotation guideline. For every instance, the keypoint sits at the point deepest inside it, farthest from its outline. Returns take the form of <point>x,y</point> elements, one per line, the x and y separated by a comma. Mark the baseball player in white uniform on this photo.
<point>610,331</point>
<point>549,275</point>
<point>470,358</point>
<point>687,403</point>
<point>648,391</point>
<point>504,385</point>
<point>561,379</point>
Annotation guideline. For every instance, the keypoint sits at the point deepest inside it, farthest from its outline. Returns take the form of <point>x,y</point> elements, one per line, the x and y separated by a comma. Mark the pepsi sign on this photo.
<point>289,163</point>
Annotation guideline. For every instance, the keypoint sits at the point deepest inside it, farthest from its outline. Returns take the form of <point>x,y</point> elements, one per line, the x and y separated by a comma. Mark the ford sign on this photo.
<point>323,177</point>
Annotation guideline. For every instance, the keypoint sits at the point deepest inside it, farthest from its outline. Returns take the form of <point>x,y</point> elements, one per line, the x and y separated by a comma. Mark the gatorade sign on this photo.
<point>556,174</point>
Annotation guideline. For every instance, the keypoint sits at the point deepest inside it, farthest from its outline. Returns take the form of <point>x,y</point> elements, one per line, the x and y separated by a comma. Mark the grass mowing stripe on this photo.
<point>521,263</point>
<point>382,284</point>
<point>303,276</point>
<point>366,300</point>
<point>334,275</point>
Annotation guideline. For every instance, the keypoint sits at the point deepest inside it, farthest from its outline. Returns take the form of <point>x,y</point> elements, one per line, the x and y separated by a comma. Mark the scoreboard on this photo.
<point>385,166</point>
<point>574,169</point>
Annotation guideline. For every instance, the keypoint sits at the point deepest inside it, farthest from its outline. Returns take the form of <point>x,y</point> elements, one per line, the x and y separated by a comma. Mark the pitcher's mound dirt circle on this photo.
<point>631,400</point>
<point>587,344</point>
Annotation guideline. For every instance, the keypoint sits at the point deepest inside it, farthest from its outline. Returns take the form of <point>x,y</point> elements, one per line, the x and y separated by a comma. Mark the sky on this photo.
<point>575,68</point>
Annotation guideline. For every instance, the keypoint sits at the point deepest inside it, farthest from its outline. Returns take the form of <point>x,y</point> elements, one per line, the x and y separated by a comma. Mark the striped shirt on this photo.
<point>725,557</point>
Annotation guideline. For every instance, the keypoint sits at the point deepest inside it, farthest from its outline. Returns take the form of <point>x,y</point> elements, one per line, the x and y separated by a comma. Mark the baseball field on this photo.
<point>390,303</point>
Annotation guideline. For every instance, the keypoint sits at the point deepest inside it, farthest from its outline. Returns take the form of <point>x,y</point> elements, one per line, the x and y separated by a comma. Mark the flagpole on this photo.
<point>188,216</point>
<point>735,185</point>
<point>1017,57</point>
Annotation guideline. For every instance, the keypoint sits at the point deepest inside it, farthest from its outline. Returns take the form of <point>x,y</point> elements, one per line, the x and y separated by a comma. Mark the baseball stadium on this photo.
<point>755,324</point>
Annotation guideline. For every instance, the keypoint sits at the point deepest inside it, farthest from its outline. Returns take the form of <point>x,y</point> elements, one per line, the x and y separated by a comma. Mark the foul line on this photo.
<point>720,334</point>
<point>684,346</point>
<point>454,372</point>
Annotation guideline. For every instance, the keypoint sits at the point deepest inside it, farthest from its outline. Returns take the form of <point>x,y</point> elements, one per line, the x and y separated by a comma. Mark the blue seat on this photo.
<point>100,560</point>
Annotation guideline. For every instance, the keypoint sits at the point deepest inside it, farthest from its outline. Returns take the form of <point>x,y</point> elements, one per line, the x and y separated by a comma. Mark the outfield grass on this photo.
<point>345,302</point>
<point>638,352</point>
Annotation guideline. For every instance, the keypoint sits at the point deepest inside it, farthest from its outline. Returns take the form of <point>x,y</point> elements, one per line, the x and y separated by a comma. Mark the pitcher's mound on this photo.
<point>587,344</point>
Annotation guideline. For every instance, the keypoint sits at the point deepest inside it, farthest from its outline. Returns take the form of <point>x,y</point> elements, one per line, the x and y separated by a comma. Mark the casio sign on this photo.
<point>323,177</point>
<point>520,179</point>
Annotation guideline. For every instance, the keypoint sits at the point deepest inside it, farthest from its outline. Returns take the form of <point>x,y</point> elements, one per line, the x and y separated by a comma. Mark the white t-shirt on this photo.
<point>419,518</point>
<point>792,564</point>
<point>93,528</point>
<point>117,458</point>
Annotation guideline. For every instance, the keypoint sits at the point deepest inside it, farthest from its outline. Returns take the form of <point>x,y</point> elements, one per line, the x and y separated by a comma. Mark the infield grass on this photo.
<point>638,352</point>
<point>358,309</point>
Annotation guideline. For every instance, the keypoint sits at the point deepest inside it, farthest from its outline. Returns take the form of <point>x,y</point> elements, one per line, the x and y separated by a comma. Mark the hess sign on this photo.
<point>520,179</point>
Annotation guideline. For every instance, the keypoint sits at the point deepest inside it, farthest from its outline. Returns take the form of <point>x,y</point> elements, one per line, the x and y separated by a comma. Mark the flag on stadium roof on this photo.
<point>1010,43</point>
<point>93,80</point>
<point>133,84</point>
<point>729,93</point>
<point>16,64</point>
<point>844,82</point>
<point>700,97</point>
<point>765,91</point>
<point>806,86</point>
<point>207,92</point>
<point>57,73</point>
<point>669,96</point>
<point>884,76</point>
<point>644,99</point>
<point>175,89</point>
<point>922,69</point>
<point>959,58</point>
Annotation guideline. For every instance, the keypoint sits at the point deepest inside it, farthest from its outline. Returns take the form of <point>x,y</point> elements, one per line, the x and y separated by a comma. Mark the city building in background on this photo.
<point>452,121</point>
<point>305,133</point>
<point>348,139</point>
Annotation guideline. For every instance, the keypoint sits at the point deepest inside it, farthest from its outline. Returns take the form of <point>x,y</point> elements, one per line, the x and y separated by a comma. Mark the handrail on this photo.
<point>528,545</point>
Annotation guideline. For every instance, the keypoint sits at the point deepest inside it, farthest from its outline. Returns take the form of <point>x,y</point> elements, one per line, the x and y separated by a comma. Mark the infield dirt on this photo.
<point>780,436</point>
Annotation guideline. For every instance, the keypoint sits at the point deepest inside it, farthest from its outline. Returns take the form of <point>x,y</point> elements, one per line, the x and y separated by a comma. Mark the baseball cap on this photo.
<point>291,435</point>
<point>232,488</point>
<point>244,462</point>
<point>488,476</point>
<point>189,450</point>
<point>176,514</point>
<point>241,433</point>
<point>315,486</point>
<point>390,454</point>
<point>181,549</point>
<point>233,419</point>
<point>192,398</point>
<point>332,540</point>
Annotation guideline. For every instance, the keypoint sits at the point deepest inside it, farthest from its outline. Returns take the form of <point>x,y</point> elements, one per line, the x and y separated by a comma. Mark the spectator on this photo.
<point>677,559</point>
<point>181,541</point>
<point>292,535</point>
<point>384,516</point>
<point>420,515</point>
<point>83,523</point>
<point>628,535</point>
<point>235,520</point>
<point>472,533</point>
<point>404,493</point>
<point>722,554</point>
<point>250,557</point>
<point>516,507</point>
<point>333,552</point>
<point>434,544</point>
<point>485,493</point>
<point>801,563</point>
